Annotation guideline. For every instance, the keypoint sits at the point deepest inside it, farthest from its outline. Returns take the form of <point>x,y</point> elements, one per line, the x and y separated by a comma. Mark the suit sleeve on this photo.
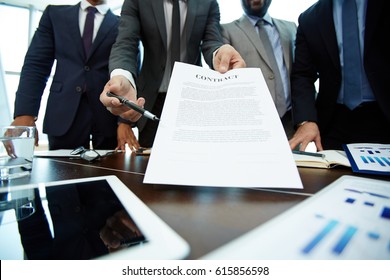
<point>125,51</point>
<point>303,77</point>
<point>225,34</point>
<point>212,38</point>
<point>36,69</point>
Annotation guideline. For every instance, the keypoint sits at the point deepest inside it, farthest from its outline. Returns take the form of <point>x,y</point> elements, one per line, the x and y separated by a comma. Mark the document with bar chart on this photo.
<point>347,220</point>
<point>369,158</point>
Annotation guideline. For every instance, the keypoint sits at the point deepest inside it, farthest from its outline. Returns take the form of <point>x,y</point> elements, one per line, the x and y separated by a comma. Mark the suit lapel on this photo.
<point>107,24</point>
<point>247,28</point>
<point>192,8</point>
<point>373,10</point>
<point>329,34</point>
<point>284,37</point>
<point>158,10</point>
<point>74,27</point>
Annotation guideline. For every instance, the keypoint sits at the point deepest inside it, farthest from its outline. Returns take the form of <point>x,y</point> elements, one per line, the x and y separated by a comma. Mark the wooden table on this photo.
<point>205,217</point>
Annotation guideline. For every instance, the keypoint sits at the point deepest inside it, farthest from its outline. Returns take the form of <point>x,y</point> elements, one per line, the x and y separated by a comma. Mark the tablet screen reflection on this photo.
<point>74,221</point>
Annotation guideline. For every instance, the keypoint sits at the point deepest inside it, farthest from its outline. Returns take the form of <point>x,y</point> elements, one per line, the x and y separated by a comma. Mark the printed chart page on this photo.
<point>369,157</point>
<point>221,130</point>
<point>349,219</point>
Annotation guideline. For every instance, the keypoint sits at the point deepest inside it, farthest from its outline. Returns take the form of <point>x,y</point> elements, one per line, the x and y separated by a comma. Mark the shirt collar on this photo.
<point>102,9</point>
<point>253,19</point>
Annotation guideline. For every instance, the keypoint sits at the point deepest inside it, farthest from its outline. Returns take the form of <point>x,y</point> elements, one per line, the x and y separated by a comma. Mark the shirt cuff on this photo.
<point>214,54</point>
<point>122,120</point>
<point>126,74</point>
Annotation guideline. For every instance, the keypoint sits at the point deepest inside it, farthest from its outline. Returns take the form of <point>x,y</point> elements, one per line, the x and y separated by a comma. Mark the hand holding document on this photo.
<point>221,130</point>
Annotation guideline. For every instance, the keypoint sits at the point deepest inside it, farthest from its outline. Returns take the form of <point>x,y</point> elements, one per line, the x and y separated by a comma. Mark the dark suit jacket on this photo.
<point>317,55</point>
<point>144,20</point>
<point>58,38</point>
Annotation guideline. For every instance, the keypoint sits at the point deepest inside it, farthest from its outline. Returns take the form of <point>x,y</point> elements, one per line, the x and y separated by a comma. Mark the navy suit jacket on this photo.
<point>317,56</point>
<point>144,20</point>
<point>58,39</point>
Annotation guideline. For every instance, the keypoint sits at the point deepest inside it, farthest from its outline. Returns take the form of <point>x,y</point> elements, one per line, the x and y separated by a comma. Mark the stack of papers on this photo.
<point>67,153</point>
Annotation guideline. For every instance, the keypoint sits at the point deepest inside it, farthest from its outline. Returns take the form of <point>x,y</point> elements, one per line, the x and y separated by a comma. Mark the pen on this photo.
<point>308,154</point>
<point>134,106</point>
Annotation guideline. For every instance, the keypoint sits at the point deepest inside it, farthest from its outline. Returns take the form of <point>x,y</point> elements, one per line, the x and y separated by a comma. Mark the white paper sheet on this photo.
<point>221,130</point>
<point>66,153</point>
<point>347,220</point>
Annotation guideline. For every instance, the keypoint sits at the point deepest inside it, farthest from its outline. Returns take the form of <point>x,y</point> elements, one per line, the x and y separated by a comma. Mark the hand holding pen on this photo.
<point>121,86</point>
<point>134,106</point>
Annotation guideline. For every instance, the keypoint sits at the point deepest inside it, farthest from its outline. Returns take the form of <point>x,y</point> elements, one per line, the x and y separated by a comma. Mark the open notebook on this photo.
<point>331,159</point>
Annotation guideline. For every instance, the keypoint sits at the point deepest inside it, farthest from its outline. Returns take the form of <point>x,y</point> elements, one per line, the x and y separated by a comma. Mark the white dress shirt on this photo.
<point>99,16</point>
<point>168,5</point>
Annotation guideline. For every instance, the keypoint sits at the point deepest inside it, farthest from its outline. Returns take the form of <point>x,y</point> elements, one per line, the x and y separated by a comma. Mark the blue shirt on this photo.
<point>274,38</point>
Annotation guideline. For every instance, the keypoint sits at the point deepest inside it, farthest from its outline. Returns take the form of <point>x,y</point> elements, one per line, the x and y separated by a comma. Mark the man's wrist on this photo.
<point>126,74</point>
<point>303,123</point>
<point>125,121</point>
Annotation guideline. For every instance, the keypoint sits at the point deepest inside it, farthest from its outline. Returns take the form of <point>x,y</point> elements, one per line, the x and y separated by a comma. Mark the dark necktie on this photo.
<point>352,60</point>
<point>278,97</point>
<point>175,36</point>
<point>88,29</point>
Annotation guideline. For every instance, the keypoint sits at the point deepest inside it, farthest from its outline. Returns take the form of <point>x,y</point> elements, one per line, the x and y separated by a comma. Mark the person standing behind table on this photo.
<point>150,21</point>
<point>328,118</point>
<point>73,111</point>
<point>245,36</point>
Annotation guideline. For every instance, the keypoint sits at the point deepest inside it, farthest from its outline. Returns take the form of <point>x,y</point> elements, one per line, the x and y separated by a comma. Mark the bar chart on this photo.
<point>349,219</point>
<point>372,158</point>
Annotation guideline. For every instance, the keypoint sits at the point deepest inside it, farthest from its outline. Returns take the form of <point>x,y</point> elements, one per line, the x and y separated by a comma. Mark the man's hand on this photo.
<point>227,58</point>
<point>26,121</point>
<point>119,85</point>
<point>305,134</point>
<point>118,229</point>
<point>125,134</point>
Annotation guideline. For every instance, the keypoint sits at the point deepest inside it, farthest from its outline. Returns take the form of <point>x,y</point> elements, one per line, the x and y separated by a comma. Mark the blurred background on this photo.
<point>20,18</point>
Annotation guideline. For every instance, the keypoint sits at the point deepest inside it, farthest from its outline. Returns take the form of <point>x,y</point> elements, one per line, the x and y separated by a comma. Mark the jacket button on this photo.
<point>86,68</point>
<point>79,89</point>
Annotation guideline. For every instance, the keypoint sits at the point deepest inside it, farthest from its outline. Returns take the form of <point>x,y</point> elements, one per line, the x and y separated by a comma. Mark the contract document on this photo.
<point>220,130</point>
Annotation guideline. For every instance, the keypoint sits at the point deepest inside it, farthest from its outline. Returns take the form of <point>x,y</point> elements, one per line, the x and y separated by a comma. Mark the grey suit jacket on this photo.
<point>243,37</point>
<point>144,20</point>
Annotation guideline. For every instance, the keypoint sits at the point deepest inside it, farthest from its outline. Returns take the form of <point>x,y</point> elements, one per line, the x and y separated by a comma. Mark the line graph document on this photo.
<point>220,130</point>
